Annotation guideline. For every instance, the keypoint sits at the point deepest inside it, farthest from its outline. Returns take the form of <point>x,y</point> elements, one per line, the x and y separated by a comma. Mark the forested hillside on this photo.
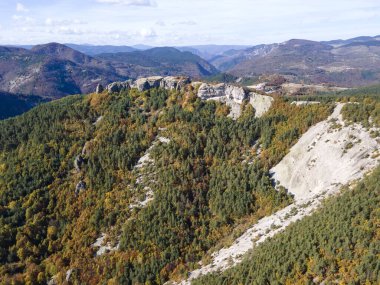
<point>206,180</point>
<point>337,245</point>
<point>12,104</point>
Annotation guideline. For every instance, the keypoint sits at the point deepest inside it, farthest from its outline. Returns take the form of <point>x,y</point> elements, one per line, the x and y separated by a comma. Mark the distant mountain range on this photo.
<point>159,61</point>
<point>349,63</point>
<point>54,70</point>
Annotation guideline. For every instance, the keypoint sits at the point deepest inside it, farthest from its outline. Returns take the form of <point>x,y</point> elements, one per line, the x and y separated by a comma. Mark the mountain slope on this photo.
<point>93,50</point>
<point>81,176</point>
<point>349,63</point>
<point>330,154</point>
<point>159,61</point>
<point>208,52</point>
<point>51,71</point>
<point>12,104</point>
<point>331,246</point>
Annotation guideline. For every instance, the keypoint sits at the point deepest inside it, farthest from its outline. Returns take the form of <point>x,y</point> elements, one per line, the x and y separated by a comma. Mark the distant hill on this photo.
<point>95,49</point>
<point>208,52</point>
<point>51,71</point>
<point>349,63</point>
<point>55,70</point>
<point>159,61</point>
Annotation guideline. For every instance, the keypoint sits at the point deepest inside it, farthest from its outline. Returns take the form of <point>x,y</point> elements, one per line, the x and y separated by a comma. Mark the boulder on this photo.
<point>78,162</point>
<point>155,81</point>
<point>86,150</point>
<point>260,103</point>
<point>68,274</point>
<point>117,87</point>
<point>81,186</point>
<point>52,281</point>
<point>237,94</point>
<point>143,84</point>
<point>183,82</point>
<point>174,83</point>
<point>229,92</point>
<point>208,91</point>
<point>99,89</point>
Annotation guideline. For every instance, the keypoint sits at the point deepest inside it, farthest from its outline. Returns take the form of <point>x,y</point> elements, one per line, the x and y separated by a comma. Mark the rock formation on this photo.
<point>78,162</point>
<point>261,103</point>
<point>229,94</point>
<point>81,186</point>
<point>146,83</point>
<point>117,87</point>
<point>211,91</point>
<point>143,84</point>
<point>99,89</point>
<point>174,83</point>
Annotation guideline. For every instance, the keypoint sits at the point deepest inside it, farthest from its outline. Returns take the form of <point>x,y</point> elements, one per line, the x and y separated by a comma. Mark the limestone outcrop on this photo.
<point>210,91</point>
<point>99,89</point>
<point>81,186</point>
<point>229,94</point>
<point>143,84</point>
<point>78,162</point>
<point>174,83</point>
<point>261,103</point>
<point>116,87</point>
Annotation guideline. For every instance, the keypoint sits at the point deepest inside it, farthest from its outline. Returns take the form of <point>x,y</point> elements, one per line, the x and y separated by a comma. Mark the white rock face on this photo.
<point>104,247</point>
<point>174,83</point>
<point>208,91</point>
<point>143,84</point>
<point>326,156</point>
<point>260,103</point>
<point>146,83</point>
<point>222,91</point>
<point>315,168</point>
<point>303,103</point>
<point>237,94</point>
<point>231,95</point>
<point>116,87</point>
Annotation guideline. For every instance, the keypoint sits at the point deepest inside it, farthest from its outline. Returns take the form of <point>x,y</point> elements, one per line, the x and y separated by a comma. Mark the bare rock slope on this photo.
<point>329,154</point>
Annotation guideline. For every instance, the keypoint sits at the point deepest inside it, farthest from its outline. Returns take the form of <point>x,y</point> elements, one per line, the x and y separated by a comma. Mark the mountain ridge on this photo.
<point>54,70</point>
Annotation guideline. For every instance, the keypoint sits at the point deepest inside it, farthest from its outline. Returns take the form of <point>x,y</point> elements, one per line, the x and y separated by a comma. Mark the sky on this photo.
<point>184,22</point>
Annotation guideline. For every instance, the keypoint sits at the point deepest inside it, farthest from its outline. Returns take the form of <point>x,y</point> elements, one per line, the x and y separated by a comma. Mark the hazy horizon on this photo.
<point>183,23</point>
<point>188,45</point>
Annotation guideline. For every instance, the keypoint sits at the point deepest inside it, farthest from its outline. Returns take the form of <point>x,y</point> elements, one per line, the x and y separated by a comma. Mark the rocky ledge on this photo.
<point>143,84</point>
<point>230,94</point>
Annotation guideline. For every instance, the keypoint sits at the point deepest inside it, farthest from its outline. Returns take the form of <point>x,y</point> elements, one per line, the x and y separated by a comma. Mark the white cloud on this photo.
<point>66,30</point>
<point>146,3</point>
<point>59,22</point>
<point>21,8</point>
<point>23,19</point>
<point>187,23</point>
<point>161,23</point>
<point>147,33</point>
<point>26,29</point>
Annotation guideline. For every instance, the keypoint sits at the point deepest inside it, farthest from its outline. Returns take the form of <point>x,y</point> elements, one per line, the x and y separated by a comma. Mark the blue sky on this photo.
<point>184,22</point>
